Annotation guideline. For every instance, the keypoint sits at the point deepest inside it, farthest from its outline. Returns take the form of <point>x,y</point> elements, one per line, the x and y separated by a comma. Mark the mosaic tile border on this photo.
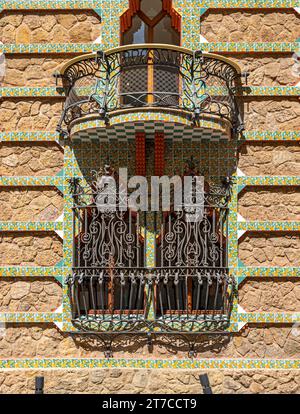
<point>268,271</point>
<point>45,4</point>
<point>19,136</point>
<point>220,364</point>
<point>270,136</point>
<point>98,4</point>
<point>206,47</point>
<point>31,182</point>
<point>31,271</point>
<point>24,317</point>
<point>267,181</point>
<point>11,92</point>
<point>269,317</point>
<point>288,226</point>
<point>262,272</point>
<point>14,226</point>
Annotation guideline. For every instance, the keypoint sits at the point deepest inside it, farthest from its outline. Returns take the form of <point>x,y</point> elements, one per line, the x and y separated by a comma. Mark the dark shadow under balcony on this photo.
<point>153,78</point>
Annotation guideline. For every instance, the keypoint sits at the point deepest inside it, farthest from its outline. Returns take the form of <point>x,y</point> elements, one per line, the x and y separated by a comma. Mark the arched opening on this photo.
<point>150,21</point>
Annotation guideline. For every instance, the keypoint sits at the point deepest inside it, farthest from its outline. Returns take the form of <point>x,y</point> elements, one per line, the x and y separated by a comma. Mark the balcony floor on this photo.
<point>126,125</point>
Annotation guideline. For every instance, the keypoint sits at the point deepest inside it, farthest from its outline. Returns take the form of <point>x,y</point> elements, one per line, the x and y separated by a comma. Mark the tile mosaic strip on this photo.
<point>249,47</point>
<point>270,136</point>
<point>69,164</point>
<point>31,181</point>
<point>271,91</point>
<point>269,226</point>
<point>8,92</point>
<point>208,47</point>
<point>268,272</point>
<point>31,226</point>
<point>46,4</point>
<point>49,48</point>
<point>268,317</point>
<point>23,317</point>
<point>31,271</point>
<point>98,4</point>
<point>54,136</point>
<point>262,272</point>
<point>80,363</point>
<point>239,3</point>
<point>29,136</point>
<point>268,181</point>
<point>28,91</point>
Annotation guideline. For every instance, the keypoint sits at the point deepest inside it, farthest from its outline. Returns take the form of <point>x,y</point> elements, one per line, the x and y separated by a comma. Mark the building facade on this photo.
<point>145,301</point>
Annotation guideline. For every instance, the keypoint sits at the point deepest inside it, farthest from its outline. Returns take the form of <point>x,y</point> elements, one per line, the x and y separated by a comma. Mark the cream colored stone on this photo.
<point>10,161</point>
<point>255,26</point>
<point>19,290</point>
<point>66,20</point>
<point>23,34</point>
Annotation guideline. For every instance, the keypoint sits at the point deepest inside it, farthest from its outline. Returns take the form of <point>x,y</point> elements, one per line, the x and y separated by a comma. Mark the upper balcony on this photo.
<point>192,88</point>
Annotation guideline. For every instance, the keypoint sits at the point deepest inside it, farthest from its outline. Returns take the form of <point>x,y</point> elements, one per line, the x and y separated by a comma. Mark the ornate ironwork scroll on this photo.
<point>112,287</point>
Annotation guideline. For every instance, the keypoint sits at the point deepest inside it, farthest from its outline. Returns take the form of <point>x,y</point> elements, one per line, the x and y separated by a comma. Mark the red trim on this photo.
<point>176,18</point>
<point>140,153</point>
<point>159,143</point>
<point>126,18</point>
<point>135,6</point>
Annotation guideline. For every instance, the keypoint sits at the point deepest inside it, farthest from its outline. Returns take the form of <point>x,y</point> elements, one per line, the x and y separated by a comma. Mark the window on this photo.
<point>111,277</point>
<point>145,80</point>
<point>151,24</point>
<point>138,32</point>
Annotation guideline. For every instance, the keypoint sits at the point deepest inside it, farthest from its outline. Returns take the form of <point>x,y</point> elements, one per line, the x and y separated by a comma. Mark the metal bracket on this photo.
<point>192,352</point>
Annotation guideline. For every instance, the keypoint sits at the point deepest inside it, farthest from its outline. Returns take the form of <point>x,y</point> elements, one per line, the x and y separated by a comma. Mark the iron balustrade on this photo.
<point>116,287</point>
<point>151,76</point>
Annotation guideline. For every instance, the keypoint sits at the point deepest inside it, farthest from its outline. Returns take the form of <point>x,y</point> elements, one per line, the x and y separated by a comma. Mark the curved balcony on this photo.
<point>196,88</point>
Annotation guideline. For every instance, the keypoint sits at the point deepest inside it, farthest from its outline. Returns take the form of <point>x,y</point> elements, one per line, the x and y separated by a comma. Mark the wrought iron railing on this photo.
<point>116,287</point>
<point>151,76</point>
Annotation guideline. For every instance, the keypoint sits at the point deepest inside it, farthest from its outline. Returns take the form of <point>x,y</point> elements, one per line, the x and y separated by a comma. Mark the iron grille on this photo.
<point>155,77</point>
<point>113,287</point>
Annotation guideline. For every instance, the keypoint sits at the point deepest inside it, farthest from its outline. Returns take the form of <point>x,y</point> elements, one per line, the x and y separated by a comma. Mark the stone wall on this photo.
<point>270,203</point>
<point>30,159</point>
<point>270,249</point>
<point>30,114</point>
<point>266,69</point>
<point>49,27</point>
<point>265,295</point>
<point>160,381</point>
<point>30,249</point>
<point>269,158</point>
<point>32,70</point>
<point>30,204</point>
<point>46,341</point>
<point>29,295</point>
<point>272,114</point>
<point>251,25</point>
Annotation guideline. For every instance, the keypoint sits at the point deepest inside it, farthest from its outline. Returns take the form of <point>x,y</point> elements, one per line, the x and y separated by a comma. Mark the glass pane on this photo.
<point>151,8</point>
<point>137,33</point>
<point>164,33</point>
